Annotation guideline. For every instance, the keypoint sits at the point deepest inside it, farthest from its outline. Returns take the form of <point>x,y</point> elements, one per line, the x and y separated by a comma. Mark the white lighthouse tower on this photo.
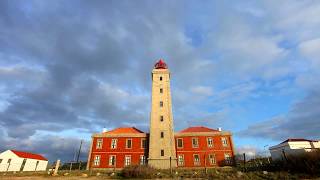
<point>162,144</point>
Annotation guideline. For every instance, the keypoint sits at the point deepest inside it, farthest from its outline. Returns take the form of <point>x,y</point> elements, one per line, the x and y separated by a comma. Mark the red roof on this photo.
<point>29,155</point>
<point>198,129</point>
<point>125,130</point>
<point>297,139</point>
<point>160,65</point>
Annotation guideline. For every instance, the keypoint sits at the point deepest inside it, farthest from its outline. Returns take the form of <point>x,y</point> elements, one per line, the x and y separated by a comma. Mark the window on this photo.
<point>99,144</point>
<point>0,161</point>
<point>161,118</point>
<point>160,78</point>
<point>227,158</point>
<point>162,134</point>
<point>161,90</point>
<point>143,143</point>
<point>129,144</point>
<point>127,160</point>
<point>179,143</point>
<point>210,142</point>
<point>212,159</point>
<point>180,160</point>
<point>37,163</point>
<point>112,160</point>
<point>161,103</point>
<point>162,152</point>
<point>224,141</point>
<point>9,161</point>
<point>142,160</point>
<point>196,159</point>
<point>195,143</point>
<point>96,161</point>
<point>114,143</point>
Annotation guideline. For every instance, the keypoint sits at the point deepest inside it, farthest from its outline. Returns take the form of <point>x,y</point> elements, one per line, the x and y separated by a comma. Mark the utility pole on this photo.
<point>79,151</point>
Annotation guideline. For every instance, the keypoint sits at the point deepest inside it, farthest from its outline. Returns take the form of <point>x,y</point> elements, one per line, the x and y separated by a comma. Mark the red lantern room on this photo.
<point>160,65</point>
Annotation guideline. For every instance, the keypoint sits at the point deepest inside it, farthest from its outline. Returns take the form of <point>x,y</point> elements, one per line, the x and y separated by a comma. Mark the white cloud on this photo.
<point>202,90</point>
<point>311,49</point>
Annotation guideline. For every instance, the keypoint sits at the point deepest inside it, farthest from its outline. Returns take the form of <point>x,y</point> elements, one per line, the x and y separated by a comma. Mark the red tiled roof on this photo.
<point>124,130</point>
<point>198,129</point>
<point>29,155</point>
<point>297,139</point>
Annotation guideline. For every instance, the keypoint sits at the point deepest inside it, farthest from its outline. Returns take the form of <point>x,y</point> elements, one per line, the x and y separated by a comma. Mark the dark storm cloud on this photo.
<point>302,121</point>
<point>51,147</point>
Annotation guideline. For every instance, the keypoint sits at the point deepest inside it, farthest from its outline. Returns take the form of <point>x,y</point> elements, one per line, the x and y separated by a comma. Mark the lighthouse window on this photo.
<point>160,78</point>
<point>161,104</point>
<point>161,90</point>
<point>162,152</point>
<point>162,134</point>
<point>161,118</point>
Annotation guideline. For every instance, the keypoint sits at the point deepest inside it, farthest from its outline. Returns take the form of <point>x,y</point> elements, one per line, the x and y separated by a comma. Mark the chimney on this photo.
<point>104,130</point>
<point>219,129</point>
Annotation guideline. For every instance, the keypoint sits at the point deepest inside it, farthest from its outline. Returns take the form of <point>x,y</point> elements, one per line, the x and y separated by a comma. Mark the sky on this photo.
<point>70,68</point>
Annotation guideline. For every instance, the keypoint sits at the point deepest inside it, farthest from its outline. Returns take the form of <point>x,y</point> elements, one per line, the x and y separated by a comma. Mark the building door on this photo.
<point>23,164</point>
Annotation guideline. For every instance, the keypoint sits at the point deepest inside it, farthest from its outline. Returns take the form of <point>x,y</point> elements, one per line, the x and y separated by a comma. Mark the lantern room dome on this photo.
<point>161,65</point>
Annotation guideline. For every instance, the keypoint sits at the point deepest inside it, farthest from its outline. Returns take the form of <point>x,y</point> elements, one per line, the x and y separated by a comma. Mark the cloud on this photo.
<point>202,90</point>
<point>302,121</point>
<point>311,49</point>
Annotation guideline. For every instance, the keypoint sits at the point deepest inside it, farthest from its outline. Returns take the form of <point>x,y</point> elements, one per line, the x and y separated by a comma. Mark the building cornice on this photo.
<point>220,133</point>
<point>120,135</point>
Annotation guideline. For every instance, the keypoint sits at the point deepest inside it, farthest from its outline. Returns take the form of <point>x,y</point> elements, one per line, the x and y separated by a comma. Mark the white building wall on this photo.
<point>31,165</point>
<point>16,163</point>
<point>292,148</point>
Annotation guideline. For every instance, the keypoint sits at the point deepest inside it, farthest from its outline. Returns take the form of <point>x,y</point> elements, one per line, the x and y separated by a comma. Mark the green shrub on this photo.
<point>138,171</point>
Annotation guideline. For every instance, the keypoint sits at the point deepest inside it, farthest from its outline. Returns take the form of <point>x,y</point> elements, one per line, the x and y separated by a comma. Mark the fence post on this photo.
<point>70,166</point>
<point>170,166</point>
<point>56,168</point>
<point>244,162</point>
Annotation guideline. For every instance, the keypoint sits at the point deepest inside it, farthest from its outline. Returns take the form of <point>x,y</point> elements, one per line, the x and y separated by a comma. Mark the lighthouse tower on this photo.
<point>161,145</point>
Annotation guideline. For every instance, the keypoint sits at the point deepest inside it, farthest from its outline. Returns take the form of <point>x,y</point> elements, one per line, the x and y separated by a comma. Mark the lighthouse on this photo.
<point>161,142</point>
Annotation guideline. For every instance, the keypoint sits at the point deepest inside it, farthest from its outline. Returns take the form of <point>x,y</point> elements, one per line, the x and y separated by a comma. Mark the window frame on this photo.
<point>115,144</point>
<point>99,143</point>
<point>178,147</point>
<point>143,160</point>
<point>212,161</point>
<point>227,158</point>
<point>224,141</point>
<point>129,139</point>
<point>208,144</point>
<point>196,163</point>
<point>180,163</point>
<point>96,160</point>
<point>110,160</point>
<point>193,145</point>
<point>125,160</point>
<point>143,144</point>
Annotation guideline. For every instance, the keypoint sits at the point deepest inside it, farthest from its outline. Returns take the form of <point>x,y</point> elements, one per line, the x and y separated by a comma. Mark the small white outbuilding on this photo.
<point>12,160</point>
<point>293,147</point>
